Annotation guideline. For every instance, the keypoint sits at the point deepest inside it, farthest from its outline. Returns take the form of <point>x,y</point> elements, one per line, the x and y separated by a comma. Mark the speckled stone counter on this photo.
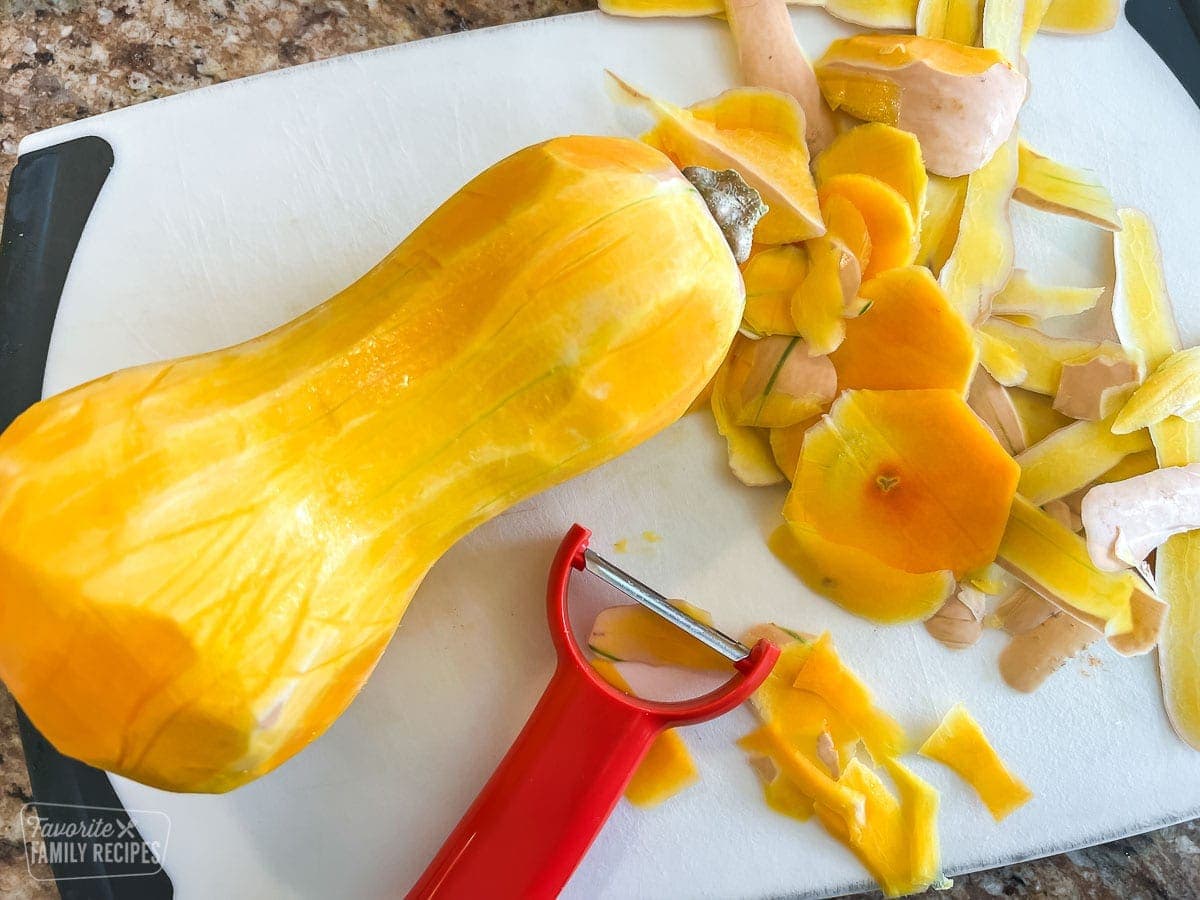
<point>64,60</point>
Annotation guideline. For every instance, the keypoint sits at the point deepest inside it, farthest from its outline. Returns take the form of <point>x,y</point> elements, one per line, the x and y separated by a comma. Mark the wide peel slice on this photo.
<point>758,133</point>
<point>960,102</point>
<point>874,474</point>
<point>857,581</point>
<point>887,215</point>
<point>908,337</point>
<point>881,151</point>
<point>1074,457</point>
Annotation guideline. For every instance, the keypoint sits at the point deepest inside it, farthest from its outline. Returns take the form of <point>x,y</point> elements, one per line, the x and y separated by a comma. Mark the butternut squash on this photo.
<point>203,559</point>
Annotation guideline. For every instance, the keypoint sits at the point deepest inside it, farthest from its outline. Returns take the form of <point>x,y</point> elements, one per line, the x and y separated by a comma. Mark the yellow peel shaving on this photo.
<point>959,742</point>
<point>1051,186</point>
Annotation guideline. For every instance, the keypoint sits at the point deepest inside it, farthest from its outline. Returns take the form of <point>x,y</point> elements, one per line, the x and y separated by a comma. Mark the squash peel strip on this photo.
<point>1144,321</point>
<point>959,743</point>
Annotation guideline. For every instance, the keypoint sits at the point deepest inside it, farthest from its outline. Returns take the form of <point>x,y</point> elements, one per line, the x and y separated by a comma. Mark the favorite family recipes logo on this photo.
<point>93,841</point>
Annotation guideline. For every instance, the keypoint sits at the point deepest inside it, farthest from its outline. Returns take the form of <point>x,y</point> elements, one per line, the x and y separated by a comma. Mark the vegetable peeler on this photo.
<point>544,805</point>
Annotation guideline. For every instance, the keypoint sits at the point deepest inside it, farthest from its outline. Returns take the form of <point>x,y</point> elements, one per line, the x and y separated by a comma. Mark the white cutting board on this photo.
<point>232,209</point>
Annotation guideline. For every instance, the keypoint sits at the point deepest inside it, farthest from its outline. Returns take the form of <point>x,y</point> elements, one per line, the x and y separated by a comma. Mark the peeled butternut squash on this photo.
<point>232,538</point>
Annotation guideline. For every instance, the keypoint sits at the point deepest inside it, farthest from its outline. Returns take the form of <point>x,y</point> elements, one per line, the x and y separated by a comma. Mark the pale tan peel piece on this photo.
<point>774,382</point>
<point>1093,386</point>
<point>1126,520</point>
<point>770,57</point>
<point>1042,355</point>
<point>959,622</point>
<point>1024,610</point>
<point>960,102</point>
<point>991,402</point>
<point>1035,654</point>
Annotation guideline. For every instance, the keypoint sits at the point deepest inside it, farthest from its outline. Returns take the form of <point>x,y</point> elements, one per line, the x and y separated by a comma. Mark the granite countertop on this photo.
<point>66,59</point>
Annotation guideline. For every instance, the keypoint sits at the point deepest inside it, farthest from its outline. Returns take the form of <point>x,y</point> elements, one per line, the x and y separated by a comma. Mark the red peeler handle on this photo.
<point>536,817</point>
